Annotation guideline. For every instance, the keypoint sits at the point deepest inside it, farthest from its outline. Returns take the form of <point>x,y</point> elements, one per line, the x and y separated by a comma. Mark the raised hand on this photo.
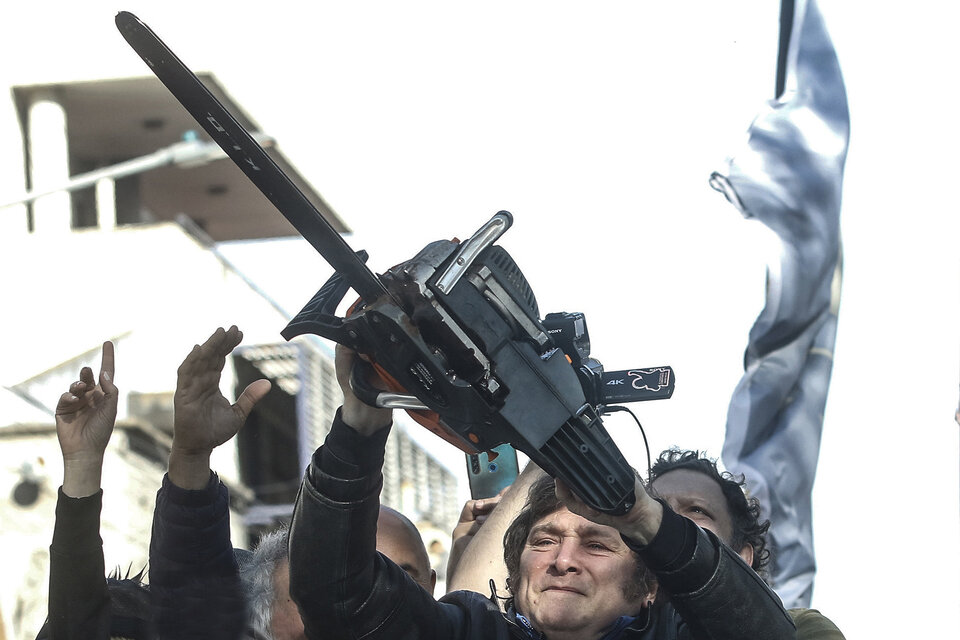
<point>472,517</point>
<point>85,417</point>
<point>641,523</point>
<point>203,418</point>
<point>363,418</point>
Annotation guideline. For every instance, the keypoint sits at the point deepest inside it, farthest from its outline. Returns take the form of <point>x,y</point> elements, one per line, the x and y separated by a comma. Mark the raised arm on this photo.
<point>333,560</point>
<point>193,572</point>
<point>203,418</point>
<point>78,604</point>
<point>476,555</point>
<point>341,584</point>
<point>85,418</point>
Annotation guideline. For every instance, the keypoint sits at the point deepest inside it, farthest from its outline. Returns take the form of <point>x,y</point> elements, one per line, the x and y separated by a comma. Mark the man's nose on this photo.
<point>567,558</point>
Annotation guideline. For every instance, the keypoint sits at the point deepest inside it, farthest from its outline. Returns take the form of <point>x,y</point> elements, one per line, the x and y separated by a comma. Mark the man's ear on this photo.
<point>746,552</point>
<point>652,596</point>
<point>433,581</point>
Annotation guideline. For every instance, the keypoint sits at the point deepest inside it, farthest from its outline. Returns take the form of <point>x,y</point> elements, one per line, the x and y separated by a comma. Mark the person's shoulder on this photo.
<point>813,625</point>
<point>482,614</point>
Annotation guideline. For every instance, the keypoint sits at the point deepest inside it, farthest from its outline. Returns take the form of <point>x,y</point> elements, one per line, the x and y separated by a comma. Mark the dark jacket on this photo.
<point>195,589</point>
<point>78,605</point>
<point>345,589</point>
<point>193,572</point>
<point>82,603</point>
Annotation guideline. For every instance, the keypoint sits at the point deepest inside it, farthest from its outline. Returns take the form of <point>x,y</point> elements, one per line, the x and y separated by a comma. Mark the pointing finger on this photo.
<point>107,368</point>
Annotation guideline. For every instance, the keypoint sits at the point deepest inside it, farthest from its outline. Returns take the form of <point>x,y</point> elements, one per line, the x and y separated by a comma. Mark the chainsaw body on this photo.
<point>460,331</point>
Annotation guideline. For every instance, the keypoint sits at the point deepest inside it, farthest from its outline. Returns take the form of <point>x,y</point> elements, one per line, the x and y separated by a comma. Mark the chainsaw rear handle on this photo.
<point>368,394</point>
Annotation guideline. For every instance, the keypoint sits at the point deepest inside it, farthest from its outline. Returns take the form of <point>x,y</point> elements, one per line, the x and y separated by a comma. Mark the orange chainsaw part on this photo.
<point>430,420</point>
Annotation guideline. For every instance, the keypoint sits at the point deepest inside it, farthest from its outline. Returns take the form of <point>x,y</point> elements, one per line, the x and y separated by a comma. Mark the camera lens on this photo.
<point>492,467</point>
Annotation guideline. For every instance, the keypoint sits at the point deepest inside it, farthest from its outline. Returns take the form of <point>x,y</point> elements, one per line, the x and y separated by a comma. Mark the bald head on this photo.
<point>399,540</point>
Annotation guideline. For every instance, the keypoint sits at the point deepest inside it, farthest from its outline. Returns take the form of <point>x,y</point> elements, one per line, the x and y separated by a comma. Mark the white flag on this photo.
<point>789,178</point>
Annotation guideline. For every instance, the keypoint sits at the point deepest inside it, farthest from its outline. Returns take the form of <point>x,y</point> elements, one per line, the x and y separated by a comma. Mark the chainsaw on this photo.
<point>455,332</point>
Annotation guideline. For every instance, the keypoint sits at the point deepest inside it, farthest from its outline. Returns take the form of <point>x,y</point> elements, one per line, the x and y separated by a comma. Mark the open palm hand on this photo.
<point>203,417</point>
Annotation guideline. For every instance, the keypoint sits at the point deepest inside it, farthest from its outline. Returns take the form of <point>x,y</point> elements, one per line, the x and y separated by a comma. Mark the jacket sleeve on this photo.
<point>342,585</point>
<point>193,573</point>
<point>712,592</point>
<point>78,604</point>
<point>813,625</point>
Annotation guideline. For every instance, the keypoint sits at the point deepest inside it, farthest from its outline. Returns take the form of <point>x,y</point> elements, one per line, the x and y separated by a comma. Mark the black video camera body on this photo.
<point>602,388</point>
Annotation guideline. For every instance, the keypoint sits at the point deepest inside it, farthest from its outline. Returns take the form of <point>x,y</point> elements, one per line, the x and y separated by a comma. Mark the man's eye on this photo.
<point>596,546</point>
<point>542,542</point>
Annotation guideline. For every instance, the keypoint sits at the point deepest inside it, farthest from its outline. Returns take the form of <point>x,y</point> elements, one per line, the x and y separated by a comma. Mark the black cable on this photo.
<point>611,409</point>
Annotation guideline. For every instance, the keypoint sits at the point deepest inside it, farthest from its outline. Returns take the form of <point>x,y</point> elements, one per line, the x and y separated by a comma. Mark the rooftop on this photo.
<point>110,121</point>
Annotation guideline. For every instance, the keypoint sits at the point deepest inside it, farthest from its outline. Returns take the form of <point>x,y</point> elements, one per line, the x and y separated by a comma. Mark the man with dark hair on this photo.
<point>687,481</point>
<point>577,571</point>
<point>693,486</point>
<point>542,501</point>
<point>739,525</point>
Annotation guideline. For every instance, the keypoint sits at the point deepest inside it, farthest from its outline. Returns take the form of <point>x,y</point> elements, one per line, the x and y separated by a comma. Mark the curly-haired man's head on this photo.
<point>694,487</point>
<point>542,504</point>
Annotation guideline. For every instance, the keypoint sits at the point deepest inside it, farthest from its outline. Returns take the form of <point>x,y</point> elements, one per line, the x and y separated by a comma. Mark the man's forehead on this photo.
<point>564,520</point>
<point>689,484</point>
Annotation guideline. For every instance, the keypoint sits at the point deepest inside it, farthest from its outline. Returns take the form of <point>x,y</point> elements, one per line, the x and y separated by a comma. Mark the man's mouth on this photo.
<point>564,590</point>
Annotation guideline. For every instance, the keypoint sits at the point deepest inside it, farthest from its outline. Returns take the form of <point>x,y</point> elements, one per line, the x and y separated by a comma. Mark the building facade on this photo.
<point>114,236</point>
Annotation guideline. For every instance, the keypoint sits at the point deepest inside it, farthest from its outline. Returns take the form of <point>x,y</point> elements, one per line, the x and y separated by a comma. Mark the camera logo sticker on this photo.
<point>650,379</point>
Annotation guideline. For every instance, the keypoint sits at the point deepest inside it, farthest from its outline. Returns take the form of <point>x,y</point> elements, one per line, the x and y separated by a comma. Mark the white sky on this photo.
<point>598,129</point>
<point>597,126</point>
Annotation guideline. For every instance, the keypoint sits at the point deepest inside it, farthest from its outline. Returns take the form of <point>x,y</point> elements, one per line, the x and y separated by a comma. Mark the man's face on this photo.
<point>698,497</point>
<point>576,577</point>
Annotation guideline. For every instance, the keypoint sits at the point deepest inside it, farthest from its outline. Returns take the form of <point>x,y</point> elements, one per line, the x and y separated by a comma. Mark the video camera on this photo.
<point>603,388</point>
<point>455,331</point>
